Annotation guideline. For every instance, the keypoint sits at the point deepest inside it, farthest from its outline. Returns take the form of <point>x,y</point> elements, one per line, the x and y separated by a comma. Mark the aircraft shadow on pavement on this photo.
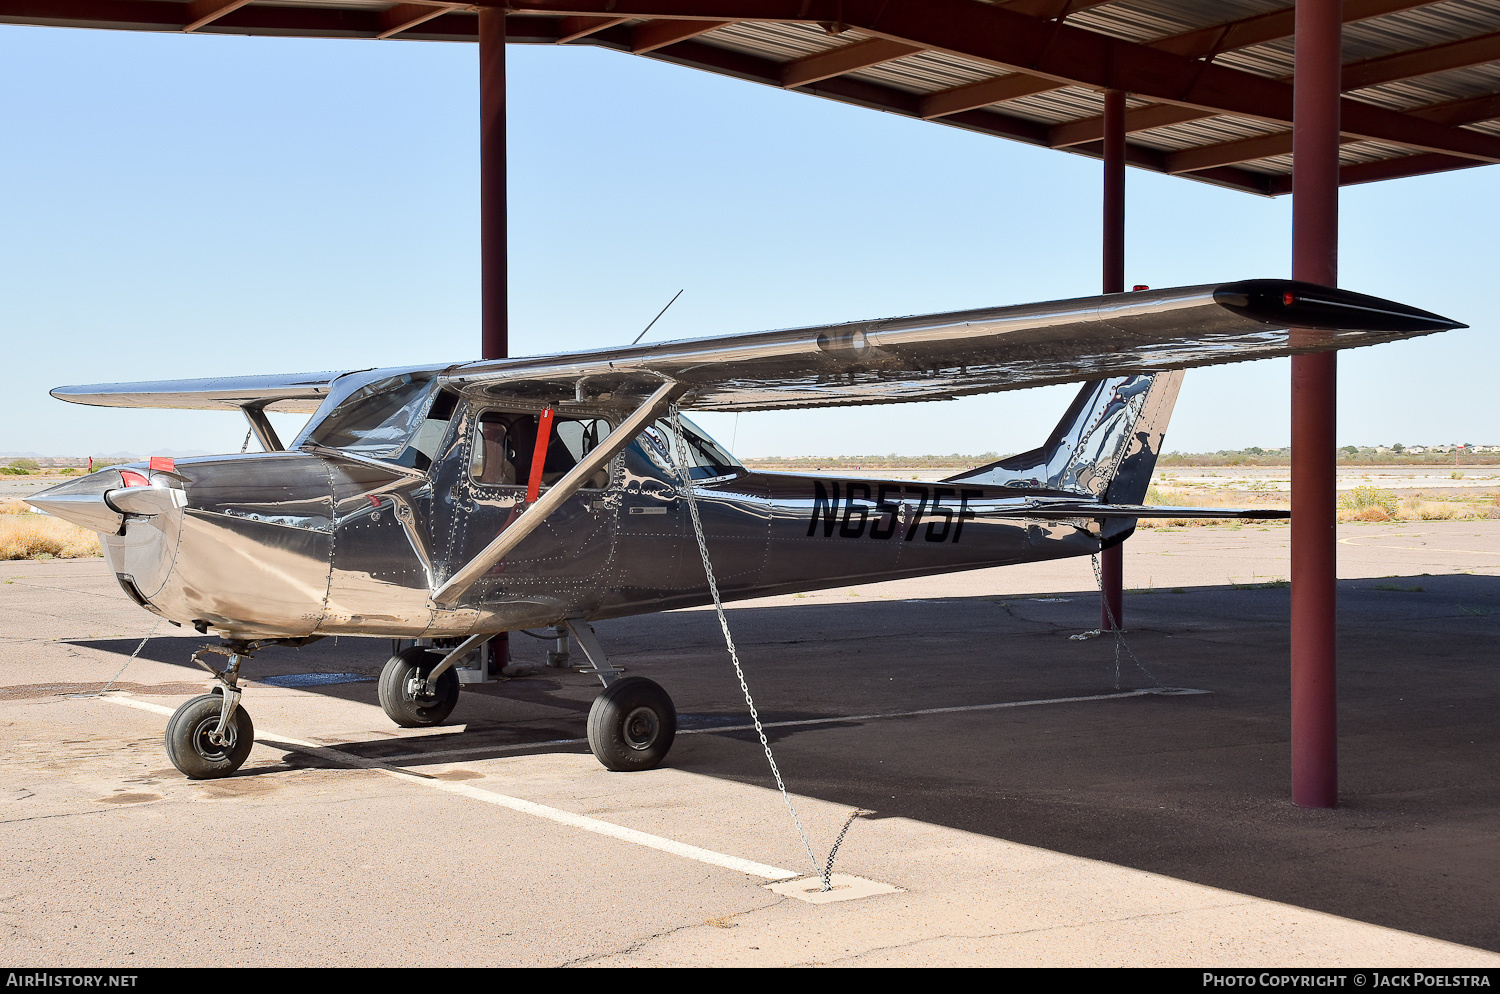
<point>1195,787</point>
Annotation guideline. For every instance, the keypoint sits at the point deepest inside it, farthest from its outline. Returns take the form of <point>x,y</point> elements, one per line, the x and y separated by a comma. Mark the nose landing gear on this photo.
<point>211,735</point>
<point>202,745</point>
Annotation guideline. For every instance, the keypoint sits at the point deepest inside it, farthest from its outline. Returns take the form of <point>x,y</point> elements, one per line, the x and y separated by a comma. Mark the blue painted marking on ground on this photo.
<point>314,679</point>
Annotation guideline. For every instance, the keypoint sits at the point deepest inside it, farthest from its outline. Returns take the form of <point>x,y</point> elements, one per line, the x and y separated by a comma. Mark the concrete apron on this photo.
<point>342,831</point>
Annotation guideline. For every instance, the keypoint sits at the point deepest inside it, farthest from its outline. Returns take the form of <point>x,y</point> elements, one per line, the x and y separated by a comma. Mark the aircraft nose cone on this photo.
<point>82,502</point>
<point>101,500</point>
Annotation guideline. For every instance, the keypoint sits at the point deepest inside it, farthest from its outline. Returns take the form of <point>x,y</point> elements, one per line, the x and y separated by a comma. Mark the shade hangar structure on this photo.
<point>1265,96</point>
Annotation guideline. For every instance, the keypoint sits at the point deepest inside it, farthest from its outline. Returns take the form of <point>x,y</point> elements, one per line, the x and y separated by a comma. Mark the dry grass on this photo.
<point>1362,504</point>
<point>1159,496</point>
<point>24,535</point>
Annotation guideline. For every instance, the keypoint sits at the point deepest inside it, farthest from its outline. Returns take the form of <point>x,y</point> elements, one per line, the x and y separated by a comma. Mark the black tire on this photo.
<point>188,745</point>
<point>410,711</point>
<point>632,725</point>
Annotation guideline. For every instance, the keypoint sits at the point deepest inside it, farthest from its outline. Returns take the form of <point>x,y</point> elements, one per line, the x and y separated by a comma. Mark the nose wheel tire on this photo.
<point>631,725</point>
<point>405,698</point>
<point>190,744</point>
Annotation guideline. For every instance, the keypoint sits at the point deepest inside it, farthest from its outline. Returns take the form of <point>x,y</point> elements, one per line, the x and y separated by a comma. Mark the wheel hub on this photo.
<point>641,728</point>
<point>419,689</point>
<point>204,739</point>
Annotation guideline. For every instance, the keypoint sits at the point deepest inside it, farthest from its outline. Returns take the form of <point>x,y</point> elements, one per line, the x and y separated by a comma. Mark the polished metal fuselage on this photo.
<point>342,536</point>
<point>290,544</point>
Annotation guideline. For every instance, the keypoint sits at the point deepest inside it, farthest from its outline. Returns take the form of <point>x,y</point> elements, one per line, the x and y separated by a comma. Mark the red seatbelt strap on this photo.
<point>539,455</point>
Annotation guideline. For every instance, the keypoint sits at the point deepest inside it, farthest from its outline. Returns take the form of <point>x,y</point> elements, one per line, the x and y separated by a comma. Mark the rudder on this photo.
<point>1105,446</point>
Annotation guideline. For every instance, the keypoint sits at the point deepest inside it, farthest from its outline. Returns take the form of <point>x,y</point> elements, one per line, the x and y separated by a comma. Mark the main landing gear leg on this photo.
<point>632,724</point>
<point>211,735</point>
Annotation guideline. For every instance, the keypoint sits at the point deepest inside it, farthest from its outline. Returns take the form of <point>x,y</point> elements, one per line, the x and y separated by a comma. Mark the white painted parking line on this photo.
<point>125,702</point>
<point>558,815</point>
<point>1154,691</point>
<point>387,767</point>
<point>406,757</point>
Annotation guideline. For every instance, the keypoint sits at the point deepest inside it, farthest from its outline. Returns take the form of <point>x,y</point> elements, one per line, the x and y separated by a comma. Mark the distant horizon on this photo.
<point>1446,448</point>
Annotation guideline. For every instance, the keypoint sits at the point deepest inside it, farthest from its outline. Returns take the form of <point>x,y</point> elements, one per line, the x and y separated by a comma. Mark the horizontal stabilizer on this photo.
<point>1093,509</point>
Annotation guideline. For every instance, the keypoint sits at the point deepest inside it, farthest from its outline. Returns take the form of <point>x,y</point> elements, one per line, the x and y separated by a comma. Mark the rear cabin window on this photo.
<point>505,443</point>
<point>706,459</point>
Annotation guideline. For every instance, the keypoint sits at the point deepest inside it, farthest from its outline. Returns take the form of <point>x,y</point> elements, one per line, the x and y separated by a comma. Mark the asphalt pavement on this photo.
<point>1031,801</point>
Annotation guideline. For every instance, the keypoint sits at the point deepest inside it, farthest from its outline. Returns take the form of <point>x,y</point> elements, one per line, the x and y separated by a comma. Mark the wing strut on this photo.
<point>261,425</point>
<point>652,408</point>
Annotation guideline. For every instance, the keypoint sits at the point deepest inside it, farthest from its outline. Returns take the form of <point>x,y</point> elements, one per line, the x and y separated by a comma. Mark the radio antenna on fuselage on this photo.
<point>658,316</point>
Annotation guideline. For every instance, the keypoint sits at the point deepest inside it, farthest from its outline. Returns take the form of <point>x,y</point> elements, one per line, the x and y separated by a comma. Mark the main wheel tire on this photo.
<point>410,710</point>
<point>632,725</point>
<point>192,751</point>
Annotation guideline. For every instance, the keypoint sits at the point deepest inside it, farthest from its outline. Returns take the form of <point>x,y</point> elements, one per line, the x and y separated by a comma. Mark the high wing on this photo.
<point>296,392</point>
<point>927,357</point>
<point>942,356</point>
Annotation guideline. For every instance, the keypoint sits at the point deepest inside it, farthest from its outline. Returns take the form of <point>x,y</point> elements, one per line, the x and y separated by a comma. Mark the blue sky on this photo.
<point>182,206</point>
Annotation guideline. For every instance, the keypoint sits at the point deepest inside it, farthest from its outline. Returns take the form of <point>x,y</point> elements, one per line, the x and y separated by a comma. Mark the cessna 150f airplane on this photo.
<point>447,504</point>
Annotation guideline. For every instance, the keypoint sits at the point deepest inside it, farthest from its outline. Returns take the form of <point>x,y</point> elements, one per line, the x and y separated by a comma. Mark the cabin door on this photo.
<point>556,570</point>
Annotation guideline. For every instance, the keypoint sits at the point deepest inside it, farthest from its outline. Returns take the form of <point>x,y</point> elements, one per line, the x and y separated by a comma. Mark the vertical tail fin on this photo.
<point>1105,446</point>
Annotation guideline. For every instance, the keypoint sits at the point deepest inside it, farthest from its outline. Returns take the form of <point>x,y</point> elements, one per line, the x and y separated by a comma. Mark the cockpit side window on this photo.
<point>504,444</point>
<point>425,444</point>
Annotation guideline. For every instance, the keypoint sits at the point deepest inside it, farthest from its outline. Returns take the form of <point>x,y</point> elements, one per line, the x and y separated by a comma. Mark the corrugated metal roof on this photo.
<point>930,82</point>
<point>1148,20</point>
<point>927,72</point>
<point>783,42</point>
<point>1419,27</point>
<point>1209,131</point>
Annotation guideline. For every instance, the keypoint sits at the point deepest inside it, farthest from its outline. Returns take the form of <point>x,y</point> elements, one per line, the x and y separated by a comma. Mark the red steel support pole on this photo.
<point>494,302</point>
<point>1112,560</point>
<point>1315,239</point>
<point>494,286</point>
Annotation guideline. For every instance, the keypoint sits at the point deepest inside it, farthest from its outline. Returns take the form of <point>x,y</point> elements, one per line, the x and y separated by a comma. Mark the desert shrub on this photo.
<point>1373,513</point>
<point>29,465</point>
<point>1361,498</point>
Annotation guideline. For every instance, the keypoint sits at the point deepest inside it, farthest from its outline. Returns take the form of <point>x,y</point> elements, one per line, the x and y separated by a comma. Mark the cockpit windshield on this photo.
<point>382,419</point>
